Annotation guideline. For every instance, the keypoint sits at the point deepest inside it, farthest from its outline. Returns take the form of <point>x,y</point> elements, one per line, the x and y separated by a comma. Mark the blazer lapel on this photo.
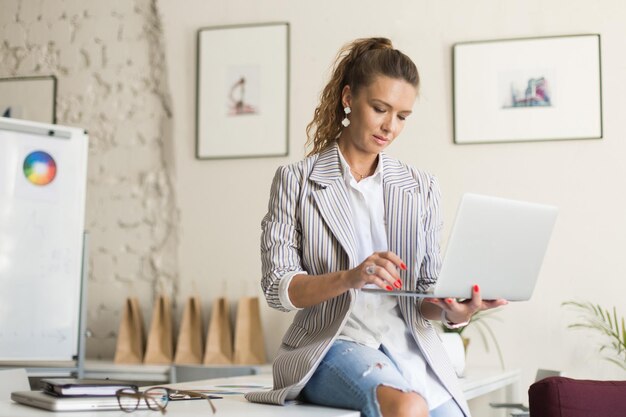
<point>332,200</point>
<point>402,214</point>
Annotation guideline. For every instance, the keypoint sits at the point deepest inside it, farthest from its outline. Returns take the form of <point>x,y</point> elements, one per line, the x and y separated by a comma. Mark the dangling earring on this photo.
<point>346,122</point>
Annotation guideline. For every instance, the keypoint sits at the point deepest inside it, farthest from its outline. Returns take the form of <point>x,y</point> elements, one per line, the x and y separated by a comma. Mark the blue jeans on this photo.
<point>447,409</point>
<point>349,375</point>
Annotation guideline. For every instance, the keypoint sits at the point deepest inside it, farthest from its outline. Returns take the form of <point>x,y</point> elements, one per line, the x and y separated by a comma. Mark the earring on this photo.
<point>346,122</point>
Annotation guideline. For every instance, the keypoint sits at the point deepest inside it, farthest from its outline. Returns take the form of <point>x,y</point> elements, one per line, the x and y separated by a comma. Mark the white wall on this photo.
<point>222,201</point>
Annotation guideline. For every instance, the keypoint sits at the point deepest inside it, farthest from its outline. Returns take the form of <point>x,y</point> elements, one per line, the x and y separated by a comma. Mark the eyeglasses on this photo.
<point>156,398</point>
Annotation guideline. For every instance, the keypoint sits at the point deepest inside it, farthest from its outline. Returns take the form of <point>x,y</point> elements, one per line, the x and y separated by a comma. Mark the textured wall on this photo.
<point>108,58</point>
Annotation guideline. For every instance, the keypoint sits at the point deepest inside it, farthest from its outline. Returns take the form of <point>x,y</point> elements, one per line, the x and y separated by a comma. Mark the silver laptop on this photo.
<point>496,243</point>
<point>40,399</point>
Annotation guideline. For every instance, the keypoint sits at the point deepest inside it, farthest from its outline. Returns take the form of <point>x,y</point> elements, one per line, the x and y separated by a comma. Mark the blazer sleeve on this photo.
<point>281,235</point>
<point>433,225</point>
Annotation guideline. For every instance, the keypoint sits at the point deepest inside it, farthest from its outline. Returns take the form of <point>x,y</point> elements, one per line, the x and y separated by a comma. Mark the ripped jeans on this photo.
<point>348,377</point>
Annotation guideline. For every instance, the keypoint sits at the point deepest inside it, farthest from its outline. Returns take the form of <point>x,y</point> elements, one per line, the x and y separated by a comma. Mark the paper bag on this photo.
<point>160,347</point>
<point>219,343</point>
<point>130,337</point>
<point>249,343</point>
<point>189,343</point>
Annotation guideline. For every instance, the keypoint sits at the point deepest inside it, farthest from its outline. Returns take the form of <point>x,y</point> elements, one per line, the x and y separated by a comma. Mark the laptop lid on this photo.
<point>498,244</point>
<point>40,399</point>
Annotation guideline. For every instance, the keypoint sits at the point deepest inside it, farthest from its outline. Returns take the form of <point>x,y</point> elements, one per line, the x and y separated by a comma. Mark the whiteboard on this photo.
<point>43,170</point>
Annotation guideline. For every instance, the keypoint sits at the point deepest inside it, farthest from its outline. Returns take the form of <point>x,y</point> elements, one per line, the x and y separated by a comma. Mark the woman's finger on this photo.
<point>388,261</point>
<point>393,258</point>
<point>476,302</point>
<point>378,275</point>
<point>449,304</point>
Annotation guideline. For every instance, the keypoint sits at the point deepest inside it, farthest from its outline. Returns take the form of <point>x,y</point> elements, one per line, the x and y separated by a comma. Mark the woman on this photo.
<point>350,216</point>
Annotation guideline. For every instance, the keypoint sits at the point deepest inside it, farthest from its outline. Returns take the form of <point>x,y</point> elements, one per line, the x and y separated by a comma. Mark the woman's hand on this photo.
<point>380,269</point>
<point>462,311</point>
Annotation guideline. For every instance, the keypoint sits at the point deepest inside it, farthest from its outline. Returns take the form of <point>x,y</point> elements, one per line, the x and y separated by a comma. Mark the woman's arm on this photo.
<point>280,235</point>
<point>309,290</point>
<point>380,268</point>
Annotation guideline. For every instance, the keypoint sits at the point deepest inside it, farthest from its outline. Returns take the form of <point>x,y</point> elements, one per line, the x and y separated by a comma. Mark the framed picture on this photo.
<point>29,98</point>
<point>243,91</point>
<point>531,89</point>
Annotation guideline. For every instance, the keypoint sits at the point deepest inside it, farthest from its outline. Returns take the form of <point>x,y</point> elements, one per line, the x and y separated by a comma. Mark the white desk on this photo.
<point>480,382</point>
<point>475,384</point>
<point>231,406</point>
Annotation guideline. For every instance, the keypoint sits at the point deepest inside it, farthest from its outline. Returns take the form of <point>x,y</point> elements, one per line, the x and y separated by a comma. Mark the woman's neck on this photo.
<point>361,164</point>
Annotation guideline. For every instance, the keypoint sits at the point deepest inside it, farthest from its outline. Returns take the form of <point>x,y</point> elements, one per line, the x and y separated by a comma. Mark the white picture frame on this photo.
<point>531,89</point>
<point>243,91</point>
<point>29,98</point>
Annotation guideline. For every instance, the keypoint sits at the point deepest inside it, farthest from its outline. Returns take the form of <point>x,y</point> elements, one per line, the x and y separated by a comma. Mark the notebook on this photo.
<point>40,399</point>
<point>76,387</point>
<point>496,243</point>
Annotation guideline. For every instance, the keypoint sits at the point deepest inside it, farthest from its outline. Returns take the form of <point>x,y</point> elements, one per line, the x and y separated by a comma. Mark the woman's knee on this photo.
<point>397,403</point>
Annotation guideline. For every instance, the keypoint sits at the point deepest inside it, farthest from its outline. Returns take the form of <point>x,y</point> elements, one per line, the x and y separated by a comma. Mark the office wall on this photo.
<point>223,201</point>
<point>109,62</point>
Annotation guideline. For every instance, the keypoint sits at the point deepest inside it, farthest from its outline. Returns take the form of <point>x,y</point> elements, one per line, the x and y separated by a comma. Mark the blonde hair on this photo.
<point>356,65</point>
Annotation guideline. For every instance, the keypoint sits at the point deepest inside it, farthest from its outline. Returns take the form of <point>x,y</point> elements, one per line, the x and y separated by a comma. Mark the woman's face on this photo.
<point>379,112</point>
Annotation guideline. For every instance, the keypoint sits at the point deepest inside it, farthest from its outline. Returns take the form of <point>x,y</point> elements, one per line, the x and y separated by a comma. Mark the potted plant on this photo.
<point>480,321</point>
<point>607,323</point>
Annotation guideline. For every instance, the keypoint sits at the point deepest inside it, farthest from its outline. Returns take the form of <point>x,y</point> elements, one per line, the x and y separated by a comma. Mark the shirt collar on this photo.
<point>347,174</point>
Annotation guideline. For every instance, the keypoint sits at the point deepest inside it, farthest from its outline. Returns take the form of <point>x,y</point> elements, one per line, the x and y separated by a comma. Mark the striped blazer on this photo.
<point>308,227</point>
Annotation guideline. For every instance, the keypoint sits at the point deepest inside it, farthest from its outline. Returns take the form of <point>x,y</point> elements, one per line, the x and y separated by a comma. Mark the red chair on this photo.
<point>566,397</point>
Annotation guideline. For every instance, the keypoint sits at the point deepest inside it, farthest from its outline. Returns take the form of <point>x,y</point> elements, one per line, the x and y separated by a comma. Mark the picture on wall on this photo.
<point>531,89</point>
<point>243,91</point>
<point>29,98</point>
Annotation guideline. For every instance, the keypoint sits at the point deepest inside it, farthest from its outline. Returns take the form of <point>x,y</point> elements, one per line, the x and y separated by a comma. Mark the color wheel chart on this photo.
<point>40,168</point>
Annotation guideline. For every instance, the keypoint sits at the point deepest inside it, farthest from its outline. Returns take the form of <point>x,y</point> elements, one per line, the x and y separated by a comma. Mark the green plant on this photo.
<point>480,321</point>
<point>607,323</point>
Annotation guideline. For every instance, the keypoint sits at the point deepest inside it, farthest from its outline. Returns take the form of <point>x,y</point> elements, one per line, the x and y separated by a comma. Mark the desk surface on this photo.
<point>476,383</point>
<point>228,406</point>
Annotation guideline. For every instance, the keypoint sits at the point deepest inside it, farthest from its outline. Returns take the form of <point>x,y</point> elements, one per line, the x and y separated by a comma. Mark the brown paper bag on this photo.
<point>189,344</point>
<point>249,343</point>
<point>160,347</point>
<point>219,341</point>
<point>130,337</point>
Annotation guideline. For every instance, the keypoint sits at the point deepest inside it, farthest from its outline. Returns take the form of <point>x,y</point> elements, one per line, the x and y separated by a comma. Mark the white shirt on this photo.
<point>376,320</point>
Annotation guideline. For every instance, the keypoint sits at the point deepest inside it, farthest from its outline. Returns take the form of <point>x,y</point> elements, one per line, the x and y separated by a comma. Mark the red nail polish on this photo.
<point>476,288</point>
<point>398,283</point>
<point>388,287</point>
<point>449,300</point>
<point>403,266</point>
